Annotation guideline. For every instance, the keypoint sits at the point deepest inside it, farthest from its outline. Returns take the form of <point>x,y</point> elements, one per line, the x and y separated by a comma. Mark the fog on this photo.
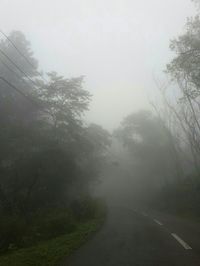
<point>118,45</point>
<point>100,132</point>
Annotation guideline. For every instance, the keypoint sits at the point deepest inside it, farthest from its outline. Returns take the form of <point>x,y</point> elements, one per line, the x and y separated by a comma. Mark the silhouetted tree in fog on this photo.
<point>49,156</point>
<point>144,136</point>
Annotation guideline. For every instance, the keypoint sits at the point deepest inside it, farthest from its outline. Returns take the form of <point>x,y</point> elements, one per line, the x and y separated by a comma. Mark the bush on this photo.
<point>51,252</point>
<point>17,231</point>
<point>56,223</point>
<point>13,230</point>
<point>182,197</point>
<point>87,208</point>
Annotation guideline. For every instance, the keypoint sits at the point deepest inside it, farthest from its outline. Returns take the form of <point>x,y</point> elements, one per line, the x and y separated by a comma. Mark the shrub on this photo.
<point>55,223</point>
<point>13,230</point>
<point>87,208</point>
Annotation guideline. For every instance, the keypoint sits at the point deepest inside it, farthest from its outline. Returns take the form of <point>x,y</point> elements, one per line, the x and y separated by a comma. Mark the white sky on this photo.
<point>117,44</point>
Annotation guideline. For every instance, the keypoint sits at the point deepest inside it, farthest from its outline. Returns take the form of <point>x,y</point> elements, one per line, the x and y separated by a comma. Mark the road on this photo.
<point>132,237</point>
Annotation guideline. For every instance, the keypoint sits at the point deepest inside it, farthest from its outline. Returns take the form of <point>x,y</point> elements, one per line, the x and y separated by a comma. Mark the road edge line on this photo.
<point>181,242</point>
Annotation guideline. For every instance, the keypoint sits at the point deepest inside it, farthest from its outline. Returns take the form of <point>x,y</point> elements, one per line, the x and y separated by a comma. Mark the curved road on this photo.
<point>135,238</point>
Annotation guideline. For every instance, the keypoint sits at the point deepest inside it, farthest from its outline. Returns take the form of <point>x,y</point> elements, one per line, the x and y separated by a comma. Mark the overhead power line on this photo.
<point>19,91</point>
<point>25,57</point>
<point>18,50</point>
<point>13,71</point>
<point>10,69</point>
<point>19,69</point>
<point>22,54</point>
<point>27,97</point>
<point>13,63</point>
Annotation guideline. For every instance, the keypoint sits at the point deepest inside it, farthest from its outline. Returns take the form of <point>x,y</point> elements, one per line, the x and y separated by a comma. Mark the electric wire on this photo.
<point>13,63</point>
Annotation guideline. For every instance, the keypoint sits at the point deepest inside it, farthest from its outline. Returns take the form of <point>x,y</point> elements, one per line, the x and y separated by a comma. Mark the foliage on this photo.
<point>17,232</point>
<point>47,150</point>
<point>53,251</point>
<point>185,65</point>
<point>148,141</point>
<point>182,198</point>
<point>183,110</point>
<point>184,72</point>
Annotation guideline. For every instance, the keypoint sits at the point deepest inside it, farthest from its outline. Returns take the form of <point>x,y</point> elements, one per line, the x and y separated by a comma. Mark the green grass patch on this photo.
<point>50,253</point>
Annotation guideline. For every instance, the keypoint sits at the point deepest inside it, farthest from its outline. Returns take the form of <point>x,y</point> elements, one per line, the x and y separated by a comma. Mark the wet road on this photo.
<point>137,238</point>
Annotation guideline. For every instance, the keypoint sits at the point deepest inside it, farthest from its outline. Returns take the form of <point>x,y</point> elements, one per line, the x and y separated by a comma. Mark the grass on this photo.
<point>50,253</point>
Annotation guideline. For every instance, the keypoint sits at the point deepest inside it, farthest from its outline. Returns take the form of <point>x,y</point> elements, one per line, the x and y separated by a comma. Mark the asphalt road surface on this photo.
<point>136,238</point>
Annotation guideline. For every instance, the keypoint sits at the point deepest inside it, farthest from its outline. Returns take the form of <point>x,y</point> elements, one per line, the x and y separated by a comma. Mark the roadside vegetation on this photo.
<point>50,159</point>
<point>164,143</point>
<point>53,251</point>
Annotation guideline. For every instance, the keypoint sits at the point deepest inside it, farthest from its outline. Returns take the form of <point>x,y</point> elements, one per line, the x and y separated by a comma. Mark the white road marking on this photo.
<point>158,222</point>
<point>185,245</point>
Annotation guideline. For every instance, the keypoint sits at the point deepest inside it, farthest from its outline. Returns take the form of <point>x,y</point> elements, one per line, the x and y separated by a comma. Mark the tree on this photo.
<point>48,154</point>
<point>185,67</point>
<point>94,144</point>
<point>15,69</point>
<point>15,111</point>
<point>147,140</point>
<point>184,71</point>
<point>65,100</point>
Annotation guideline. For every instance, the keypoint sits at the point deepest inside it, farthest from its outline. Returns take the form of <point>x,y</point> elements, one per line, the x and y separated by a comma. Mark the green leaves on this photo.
<point>185,67</point>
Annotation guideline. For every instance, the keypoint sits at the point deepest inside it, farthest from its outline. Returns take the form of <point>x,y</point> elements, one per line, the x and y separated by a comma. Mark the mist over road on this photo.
<point>134,237</point>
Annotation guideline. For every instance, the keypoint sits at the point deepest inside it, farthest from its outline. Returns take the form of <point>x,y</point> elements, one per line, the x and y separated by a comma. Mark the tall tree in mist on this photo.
<point>184,71</point>
<point>44,140</point>
<point>144,136</point>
